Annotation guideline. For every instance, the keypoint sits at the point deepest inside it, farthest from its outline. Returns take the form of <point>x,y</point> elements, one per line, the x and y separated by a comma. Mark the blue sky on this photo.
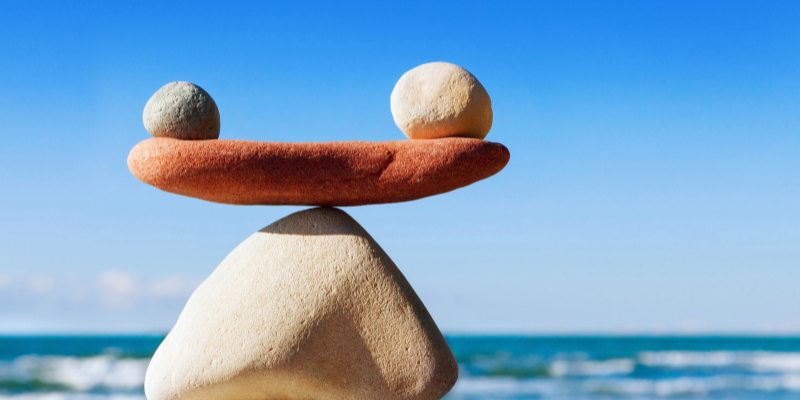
<point>653,184</point>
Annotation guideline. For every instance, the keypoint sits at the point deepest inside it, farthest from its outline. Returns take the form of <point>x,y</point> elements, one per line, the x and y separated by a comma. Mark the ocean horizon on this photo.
<point>569,367</point>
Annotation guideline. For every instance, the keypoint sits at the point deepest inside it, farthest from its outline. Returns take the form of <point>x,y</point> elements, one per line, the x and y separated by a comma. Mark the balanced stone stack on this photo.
<point>311,307</point>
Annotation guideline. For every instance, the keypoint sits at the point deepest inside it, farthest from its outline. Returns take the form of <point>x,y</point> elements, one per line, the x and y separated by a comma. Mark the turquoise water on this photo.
<point>568,368</point>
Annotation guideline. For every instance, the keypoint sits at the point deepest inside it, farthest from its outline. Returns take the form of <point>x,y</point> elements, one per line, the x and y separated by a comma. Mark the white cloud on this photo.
<point>118,282</point>
<point>691,327</point>
<point>112,301</point>
<point>80,292</point>
<point>41,284</point>
<point>118,289</point>
<point>174,286</point>
<point>5,281</point>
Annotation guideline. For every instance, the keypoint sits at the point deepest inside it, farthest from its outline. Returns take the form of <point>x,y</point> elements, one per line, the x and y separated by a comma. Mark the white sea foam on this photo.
<point>620,366</point>
<point>697,385</point>
<point>488,387</point>
<point>78,373</point>
<point>682,359</point>
<point>757,361</point>
<point>70,396</point>
<point>775,362</point>
<point>665,387</point>
<point>110,377</point>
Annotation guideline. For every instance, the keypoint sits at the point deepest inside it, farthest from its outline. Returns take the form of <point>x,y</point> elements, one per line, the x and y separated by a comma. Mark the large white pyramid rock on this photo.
<point>309,307</point>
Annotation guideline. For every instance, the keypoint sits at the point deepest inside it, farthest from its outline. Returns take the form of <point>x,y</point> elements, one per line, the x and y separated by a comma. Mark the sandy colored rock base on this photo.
<point>326,173</point>
<point>440,99</point>
<point>310,307</point>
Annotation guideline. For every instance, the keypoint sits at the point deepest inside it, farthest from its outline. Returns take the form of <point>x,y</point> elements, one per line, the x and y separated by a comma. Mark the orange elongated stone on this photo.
<point>315,173</point>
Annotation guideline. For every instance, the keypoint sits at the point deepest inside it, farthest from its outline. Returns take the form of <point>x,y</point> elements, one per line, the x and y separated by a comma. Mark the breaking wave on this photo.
<point>639,375</point>
<point>489,368</point>
<point>757,361</point>
<point>101,373</point>
<point>71,396</point>
<point>510,388</point>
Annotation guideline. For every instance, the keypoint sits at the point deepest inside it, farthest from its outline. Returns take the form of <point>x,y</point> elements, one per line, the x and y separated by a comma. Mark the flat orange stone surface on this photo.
<point>314,173</point>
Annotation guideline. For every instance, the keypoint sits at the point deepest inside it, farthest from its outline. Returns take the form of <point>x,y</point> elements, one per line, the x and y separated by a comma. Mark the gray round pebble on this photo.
<point>182,110</point>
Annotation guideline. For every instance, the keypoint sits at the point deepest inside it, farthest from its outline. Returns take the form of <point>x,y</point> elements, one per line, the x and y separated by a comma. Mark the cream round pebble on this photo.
<point>440,99</point>
<point>182,110</point>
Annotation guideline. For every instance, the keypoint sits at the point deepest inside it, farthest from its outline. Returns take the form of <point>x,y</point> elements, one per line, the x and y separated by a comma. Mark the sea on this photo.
<point>490,367</point>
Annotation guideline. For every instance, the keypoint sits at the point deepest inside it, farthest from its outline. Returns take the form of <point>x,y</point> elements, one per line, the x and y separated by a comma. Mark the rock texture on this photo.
<point>439,100</point>
<point>310,307</point>
<point>328,173</point>
<point>182,110</point>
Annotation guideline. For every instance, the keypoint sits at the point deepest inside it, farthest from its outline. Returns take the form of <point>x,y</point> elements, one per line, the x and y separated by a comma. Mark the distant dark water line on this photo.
<point>611,346</point>
<point>141,346</point>
<point>137,346</point>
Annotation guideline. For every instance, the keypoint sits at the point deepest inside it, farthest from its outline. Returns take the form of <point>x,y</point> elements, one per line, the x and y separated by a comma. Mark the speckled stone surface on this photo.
<point>309,307</point>
<point>182,110</point>
<point>440,99</point>
<point>316,173</point>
